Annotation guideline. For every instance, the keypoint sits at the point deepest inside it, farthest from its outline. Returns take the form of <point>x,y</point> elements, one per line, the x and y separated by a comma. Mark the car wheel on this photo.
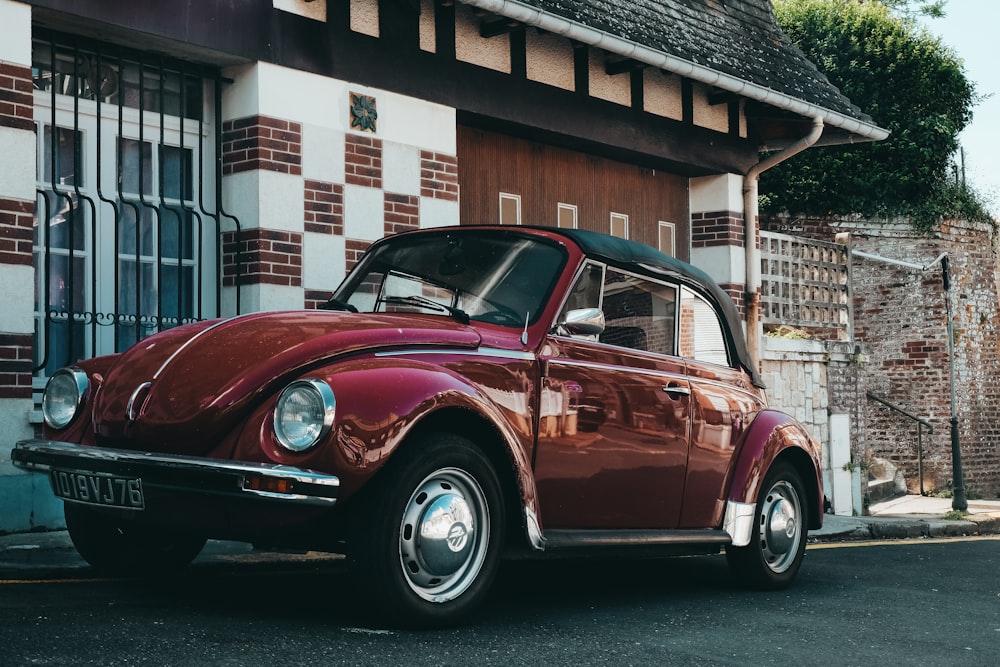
<point>125,548</point>
<point>778,542</point>
<point>426,537</point>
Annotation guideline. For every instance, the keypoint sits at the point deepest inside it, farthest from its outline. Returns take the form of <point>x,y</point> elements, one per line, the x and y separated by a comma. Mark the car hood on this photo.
<point>185,389</point>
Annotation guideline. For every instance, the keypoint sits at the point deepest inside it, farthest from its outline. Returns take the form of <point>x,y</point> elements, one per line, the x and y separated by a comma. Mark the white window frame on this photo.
<point>507,196</point>
<point>663,225</point>
<point>572,208</point>
<point>622,219</point>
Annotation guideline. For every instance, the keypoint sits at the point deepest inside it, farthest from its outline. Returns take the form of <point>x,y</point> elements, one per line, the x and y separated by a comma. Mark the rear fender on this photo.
<point>773,436</point>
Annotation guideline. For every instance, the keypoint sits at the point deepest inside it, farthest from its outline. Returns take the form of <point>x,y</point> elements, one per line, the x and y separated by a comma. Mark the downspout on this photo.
<point>750,211</point>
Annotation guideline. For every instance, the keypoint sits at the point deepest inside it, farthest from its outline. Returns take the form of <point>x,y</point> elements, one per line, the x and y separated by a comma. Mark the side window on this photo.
<point>639,313</point>
<point>701,336</point>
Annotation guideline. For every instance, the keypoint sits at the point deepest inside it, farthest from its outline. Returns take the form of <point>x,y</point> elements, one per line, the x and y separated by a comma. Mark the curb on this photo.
<point>902,527</point>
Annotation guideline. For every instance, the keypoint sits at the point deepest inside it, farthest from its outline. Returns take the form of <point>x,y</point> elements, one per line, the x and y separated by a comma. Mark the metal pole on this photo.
<point>958,500</point>
<point>920,456</point>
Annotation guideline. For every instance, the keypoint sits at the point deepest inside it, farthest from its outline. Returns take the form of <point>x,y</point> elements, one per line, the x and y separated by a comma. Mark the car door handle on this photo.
<point>678,389</point>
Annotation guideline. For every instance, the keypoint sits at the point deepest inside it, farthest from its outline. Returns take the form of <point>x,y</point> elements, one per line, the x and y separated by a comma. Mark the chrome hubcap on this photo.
<point>780,526</point>
<point>444,534</point>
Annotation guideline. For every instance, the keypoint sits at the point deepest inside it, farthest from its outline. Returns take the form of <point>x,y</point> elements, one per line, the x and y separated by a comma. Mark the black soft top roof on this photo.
<point>641,258</point>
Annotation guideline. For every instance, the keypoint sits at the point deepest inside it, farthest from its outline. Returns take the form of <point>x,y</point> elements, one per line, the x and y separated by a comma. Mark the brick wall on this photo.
<point>438,176</point>
<point>16,232</point>
<point>716,228</point>
<point>721,228</point>
<point>15,97</point>
<point>267,256</point>
<point>316,298</point>
<point>15,365</point>
<point>402,213</point>
<point>900,316</point>
<point>363,161</point>
<point>324,207</point>
<point>354,250</point>
<point>261,142</point>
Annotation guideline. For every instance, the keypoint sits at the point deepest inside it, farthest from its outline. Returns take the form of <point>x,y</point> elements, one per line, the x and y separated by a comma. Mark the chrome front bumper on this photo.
<point>181,474</point>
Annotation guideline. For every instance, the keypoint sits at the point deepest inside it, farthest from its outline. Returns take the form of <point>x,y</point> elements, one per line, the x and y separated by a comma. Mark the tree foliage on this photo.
<point>911,84</point>
<point>934,8</point>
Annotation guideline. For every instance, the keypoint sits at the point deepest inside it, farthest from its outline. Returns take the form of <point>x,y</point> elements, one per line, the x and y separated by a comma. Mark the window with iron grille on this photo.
<point>128,219</point>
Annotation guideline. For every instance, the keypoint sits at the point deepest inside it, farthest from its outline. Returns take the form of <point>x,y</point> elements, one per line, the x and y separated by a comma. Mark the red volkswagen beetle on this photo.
<point>466,392</point>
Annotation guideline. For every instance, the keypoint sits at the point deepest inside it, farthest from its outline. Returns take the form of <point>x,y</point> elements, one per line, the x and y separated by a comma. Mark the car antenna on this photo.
<point>524,334</point>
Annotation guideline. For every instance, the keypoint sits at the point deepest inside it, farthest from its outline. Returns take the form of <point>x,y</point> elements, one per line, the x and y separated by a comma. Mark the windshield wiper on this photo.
<point>336,304</point>
<point>414,300</point>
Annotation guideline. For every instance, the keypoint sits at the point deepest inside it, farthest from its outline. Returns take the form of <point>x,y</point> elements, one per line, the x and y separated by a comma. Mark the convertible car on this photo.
<point>467,393</point>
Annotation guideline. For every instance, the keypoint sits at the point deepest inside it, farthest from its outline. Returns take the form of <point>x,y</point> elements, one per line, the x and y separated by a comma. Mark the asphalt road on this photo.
<point>921,602</point>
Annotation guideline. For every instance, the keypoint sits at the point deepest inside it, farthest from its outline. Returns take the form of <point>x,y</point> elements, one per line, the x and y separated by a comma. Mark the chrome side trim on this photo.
<point>190,340</point>
<point>131,409</point>
<point>576,539</point>
<point>590,365</point>
<point>478,352</point>
<point>180,474</point>
<point>738,522</point>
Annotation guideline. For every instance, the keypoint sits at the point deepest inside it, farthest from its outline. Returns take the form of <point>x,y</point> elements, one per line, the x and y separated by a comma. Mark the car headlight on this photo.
<point>63,397</point>
<point>304,414</point>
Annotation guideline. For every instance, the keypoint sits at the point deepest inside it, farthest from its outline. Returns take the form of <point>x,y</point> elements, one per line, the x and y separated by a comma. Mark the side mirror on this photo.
<point>583,322</point>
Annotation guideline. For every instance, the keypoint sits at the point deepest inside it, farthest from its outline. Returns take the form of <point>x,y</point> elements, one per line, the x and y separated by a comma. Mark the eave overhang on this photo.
<point>841,127</point>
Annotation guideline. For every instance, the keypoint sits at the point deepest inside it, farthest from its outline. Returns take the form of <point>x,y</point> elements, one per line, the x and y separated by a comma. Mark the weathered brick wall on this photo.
<point>900,315</point>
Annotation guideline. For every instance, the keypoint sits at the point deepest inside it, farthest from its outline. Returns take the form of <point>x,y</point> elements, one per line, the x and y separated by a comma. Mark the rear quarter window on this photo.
<point>701,336</point>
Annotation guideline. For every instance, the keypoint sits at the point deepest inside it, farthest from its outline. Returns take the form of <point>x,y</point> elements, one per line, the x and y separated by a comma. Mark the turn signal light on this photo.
<point>268,485</point>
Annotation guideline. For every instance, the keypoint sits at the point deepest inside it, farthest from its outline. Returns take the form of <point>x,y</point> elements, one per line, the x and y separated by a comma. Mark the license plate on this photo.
<point>94,489</point>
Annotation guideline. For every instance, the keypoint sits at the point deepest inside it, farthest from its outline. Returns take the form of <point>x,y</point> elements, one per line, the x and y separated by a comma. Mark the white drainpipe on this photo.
<point>754,330</point>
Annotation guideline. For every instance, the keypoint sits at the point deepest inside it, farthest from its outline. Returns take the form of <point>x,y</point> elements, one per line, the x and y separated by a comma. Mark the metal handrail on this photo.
<point>921,422</point>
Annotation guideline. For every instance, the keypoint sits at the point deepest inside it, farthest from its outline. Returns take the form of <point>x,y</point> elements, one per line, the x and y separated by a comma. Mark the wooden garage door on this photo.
<point>508,180</point>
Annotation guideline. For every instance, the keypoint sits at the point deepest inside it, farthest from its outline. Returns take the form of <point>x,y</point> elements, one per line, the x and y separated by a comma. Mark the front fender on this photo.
<point>379,402</point>
<point>771,436</point>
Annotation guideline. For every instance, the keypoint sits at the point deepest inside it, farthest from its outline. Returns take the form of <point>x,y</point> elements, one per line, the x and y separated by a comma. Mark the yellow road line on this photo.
<point>909,541</point>
<point>7,582</point>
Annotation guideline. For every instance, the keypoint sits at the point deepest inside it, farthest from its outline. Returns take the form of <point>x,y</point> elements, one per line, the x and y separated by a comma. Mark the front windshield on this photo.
<point>499,278</point>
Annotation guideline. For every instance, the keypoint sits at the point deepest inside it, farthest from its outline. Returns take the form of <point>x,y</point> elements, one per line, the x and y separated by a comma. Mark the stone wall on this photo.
<point>900,316</point>
<point>820,384</point>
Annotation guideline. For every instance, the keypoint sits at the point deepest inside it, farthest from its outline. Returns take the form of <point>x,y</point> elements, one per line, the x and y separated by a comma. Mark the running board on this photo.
<point>584,539</point>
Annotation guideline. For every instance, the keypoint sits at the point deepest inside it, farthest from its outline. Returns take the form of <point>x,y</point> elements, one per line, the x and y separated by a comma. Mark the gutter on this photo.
<point>523,13</point>
<point>752,250</point>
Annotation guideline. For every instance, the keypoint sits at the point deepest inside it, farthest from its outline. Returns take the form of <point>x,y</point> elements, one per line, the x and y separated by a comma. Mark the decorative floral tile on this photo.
<point>364,114</point>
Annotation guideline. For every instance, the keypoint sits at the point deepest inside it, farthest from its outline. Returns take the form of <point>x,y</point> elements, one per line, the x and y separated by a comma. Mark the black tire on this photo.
<point>436,575</point>
<point>778,542</point>
<point>119,547</point>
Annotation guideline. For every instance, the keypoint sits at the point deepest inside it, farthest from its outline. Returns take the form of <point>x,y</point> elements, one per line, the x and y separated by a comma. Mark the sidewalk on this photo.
<point>903,517</point>
<point>911,516</point>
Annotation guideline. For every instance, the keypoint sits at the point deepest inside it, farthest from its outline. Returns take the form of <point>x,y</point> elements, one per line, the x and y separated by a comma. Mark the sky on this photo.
<point>970,28</point>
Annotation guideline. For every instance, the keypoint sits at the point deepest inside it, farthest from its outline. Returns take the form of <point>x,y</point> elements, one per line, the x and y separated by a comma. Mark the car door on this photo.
<point>614,414</point>
<point>723,402</point>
